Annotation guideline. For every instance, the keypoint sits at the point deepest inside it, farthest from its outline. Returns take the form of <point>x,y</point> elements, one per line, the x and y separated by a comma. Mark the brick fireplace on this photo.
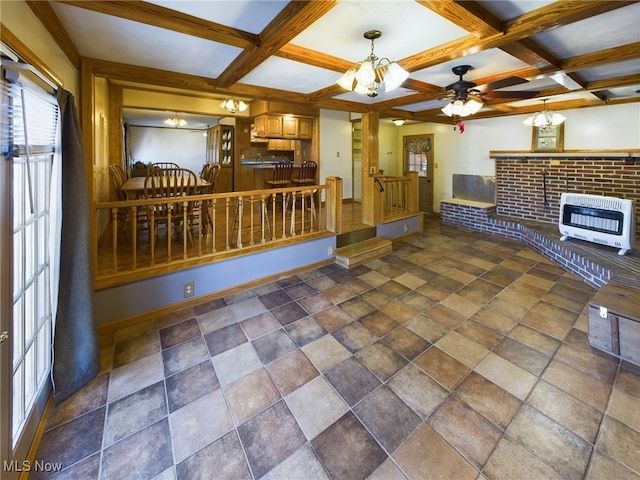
<point>528,190</point>
<point>522,178</point>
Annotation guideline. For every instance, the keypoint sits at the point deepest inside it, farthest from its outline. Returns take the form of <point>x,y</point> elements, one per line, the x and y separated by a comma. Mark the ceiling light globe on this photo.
<point>365,74</point>
<point>394,77</point>
<point>347,79</point>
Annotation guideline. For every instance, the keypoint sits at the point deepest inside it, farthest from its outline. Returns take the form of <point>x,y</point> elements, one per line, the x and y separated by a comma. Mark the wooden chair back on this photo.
<point>118,177</point>
<point>281,174</point>
<point>307,174</point>
<point>162,166</point>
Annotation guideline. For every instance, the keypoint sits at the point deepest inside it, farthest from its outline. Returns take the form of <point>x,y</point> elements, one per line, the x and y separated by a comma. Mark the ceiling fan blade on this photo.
<point>505,82</point>
<point>514,94</point>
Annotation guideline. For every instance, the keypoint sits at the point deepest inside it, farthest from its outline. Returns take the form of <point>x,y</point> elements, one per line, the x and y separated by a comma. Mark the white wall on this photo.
<point>185,147</point>
<point>596,128</point>
<point>335,148</point>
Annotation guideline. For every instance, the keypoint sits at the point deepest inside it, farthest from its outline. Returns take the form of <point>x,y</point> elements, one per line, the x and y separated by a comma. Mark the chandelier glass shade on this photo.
<point>462,108</point>
<point>175,121</point>
<point>367,76</point>
<point>234,105</point>
<point>545,118</point>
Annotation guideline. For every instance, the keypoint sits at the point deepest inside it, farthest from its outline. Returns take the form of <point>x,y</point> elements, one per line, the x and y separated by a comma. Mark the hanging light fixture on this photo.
<point>462,107</point>
<point>175,121</point>
<point>367,76</point>
<point>545,118</point>
<point>399,122</point>
<point>234,105</point>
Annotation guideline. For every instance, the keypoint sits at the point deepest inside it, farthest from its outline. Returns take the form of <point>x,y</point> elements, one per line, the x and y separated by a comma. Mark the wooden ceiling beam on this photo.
<point>470,16</point>
<point>290,22</point>
<point>157,16</point>
<point>562,12</point>
<point>47,15</point>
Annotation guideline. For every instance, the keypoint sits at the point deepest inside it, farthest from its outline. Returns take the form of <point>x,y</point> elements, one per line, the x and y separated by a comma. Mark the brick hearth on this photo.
<point>597,265</point>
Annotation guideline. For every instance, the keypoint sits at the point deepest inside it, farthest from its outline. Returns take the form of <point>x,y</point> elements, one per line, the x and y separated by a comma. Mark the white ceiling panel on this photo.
<point>612,29</point>
<point>407,28</point>
<point>250,17</point>
<point>286,74</point>
<point>507,10</point>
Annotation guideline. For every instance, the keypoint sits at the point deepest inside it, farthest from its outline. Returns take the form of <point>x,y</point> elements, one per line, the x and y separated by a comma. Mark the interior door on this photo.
<point>418,157</point>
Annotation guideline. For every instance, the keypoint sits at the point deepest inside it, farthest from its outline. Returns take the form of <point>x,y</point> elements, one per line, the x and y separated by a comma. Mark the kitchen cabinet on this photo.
<point>283,126</point>
<point>296,127</point>
<point>268,126</point>
<point>281,144</point>
<point>220,151</point>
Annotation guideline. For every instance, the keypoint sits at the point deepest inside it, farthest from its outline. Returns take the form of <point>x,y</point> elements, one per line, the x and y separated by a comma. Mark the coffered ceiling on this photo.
<point>573,53</point>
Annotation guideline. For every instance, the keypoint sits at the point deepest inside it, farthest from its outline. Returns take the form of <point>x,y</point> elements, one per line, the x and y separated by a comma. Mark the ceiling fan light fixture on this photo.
<point>175,121</point>
<point>234,105</point>
<point>367,76</point>
<point>545,118</point>
<point>462,108</point>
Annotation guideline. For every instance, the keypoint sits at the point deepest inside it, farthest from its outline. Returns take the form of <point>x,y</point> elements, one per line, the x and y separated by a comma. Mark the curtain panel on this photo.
<point>76,355</point>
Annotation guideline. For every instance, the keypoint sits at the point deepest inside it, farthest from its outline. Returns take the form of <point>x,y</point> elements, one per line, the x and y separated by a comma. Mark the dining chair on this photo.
<point>162,166</point>
<point>118,177</point>
<point>210,174</point>
<point>306,199</point>
<point>281,177</point>
<point>169,183</point>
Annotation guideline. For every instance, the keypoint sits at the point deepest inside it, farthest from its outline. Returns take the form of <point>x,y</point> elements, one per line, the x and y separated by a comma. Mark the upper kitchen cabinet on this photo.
<point>268,126</point>
<point>297,127</point>
<point>283,120</point>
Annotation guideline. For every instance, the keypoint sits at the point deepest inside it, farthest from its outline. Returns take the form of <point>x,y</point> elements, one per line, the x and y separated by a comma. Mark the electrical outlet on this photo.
<point>372,170</point>
<point>189,288</point>
<point>330,251</point>
<point>406,228</point>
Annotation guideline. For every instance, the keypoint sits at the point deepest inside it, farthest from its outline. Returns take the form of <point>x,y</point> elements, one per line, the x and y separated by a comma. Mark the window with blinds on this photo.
<point>29,121</point>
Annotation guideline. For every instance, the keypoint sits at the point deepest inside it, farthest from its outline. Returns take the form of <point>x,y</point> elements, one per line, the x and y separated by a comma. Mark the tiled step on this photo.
<point>361,252</point>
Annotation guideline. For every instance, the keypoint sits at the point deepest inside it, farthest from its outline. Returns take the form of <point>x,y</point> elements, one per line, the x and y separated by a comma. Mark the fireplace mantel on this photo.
<point>629,153</point>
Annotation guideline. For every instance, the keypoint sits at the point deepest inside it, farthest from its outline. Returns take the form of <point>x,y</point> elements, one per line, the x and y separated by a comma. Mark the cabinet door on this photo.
<point>305,126</point>
<point>273,126</point>
<point>289,127</point>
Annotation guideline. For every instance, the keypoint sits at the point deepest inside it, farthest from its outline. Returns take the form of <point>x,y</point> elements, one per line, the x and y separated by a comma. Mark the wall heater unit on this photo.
<point>605,220</point>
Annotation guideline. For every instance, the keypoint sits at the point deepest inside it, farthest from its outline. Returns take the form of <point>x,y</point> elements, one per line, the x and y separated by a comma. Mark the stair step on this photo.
<point>358,253</point>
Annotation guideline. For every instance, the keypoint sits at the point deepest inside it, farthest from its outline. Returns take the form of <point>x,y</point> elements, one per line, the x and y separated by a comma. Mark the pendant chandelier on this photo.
<point>175,121</point>
<point>234,105</point>
<point>367,76</point>
<point>545,118</point>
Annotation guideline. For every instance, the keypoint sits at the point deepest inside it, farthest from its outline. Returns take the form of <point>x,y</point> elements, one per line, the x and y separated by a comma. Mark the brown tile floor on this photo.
<point>459,356</point>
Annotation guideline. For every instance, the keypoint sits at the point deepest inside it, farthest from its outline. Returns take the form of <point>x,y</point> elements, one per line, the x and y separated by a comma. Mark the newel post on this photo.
<point>413,192</point>
<point>334,204</point>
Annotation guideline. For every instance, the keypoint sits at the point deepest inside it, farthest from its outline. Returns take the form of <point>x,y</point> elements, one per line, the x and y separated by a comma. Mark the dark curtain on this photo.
<point>76,356</point>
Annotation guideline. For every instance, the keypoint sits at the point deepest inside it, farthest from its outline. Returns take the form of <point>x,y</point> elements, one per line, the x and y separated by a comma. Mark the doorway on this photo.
<point>418,157</point>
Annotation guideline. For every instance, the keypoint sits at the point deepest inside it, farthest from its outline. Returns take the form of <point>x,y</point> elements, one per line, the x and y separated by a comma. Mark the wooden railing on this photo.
<point>200,229</point>
<point>399,196</point>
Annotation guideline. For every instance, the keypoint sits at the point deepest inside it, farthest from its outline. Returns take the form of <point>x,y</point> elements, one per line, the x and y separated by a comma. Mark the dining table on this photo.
<point>134,186</point>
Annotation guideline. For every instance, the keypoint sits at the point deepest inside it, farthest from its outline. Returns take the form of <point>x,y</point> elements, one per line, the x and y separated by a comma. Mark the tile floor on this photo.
<point>459,356</point>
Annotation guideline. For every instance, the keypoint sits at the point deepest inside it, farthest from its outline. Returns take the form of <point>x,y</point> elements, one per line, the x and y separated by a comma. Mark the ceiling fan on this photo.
<point>463,89</point>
